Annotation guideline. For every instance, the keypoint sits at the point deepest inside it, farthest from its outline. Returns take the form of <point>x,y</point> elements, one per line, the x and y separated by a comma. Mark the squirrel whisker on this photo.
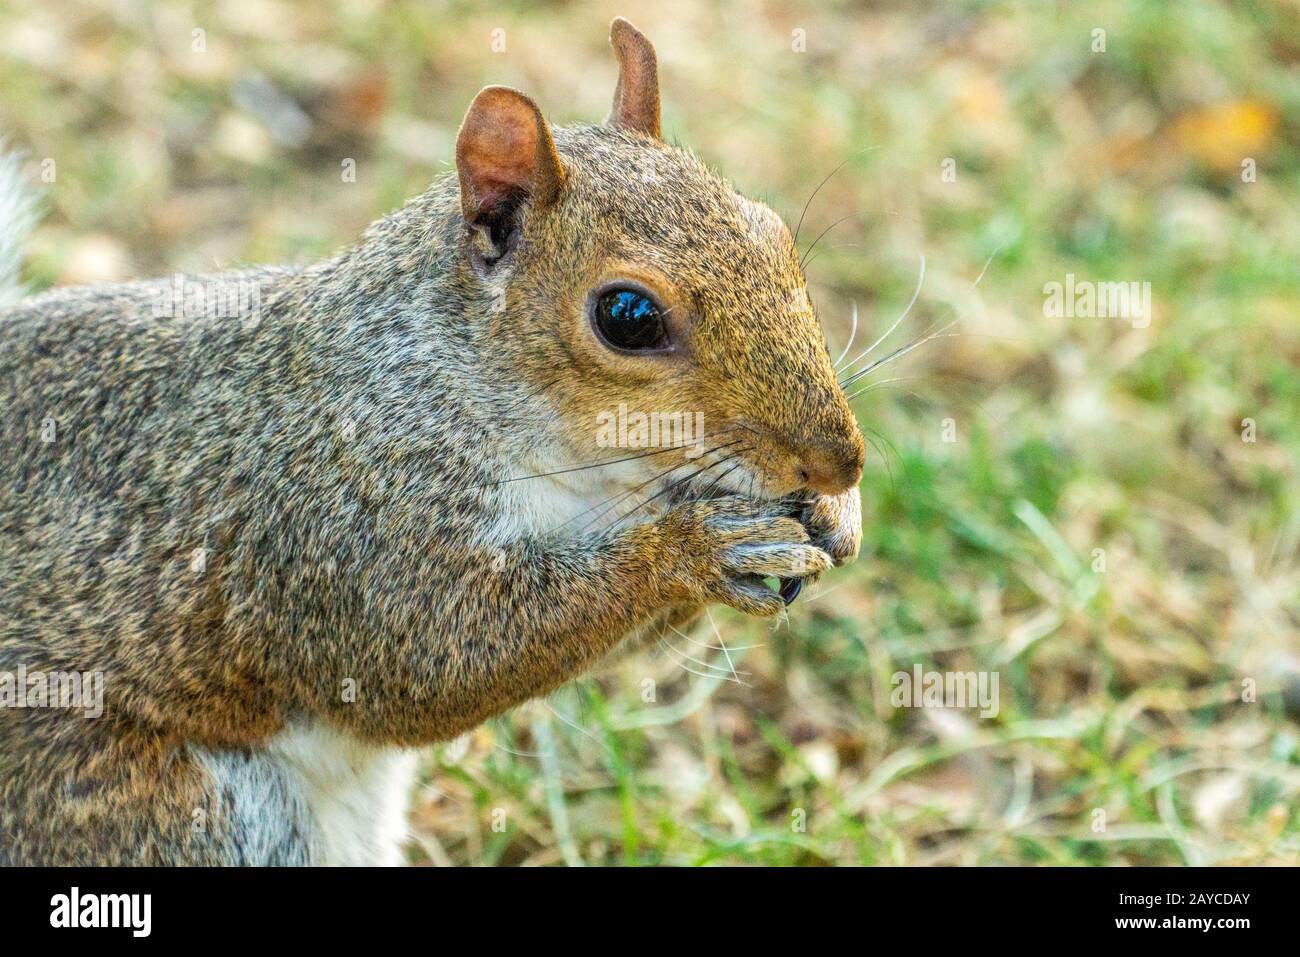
<point>799,225</point>
<point>803,260</point>
<point>717,481</point>
<point>872,386</point>
<point>578,468</point>
<point>853,332</point>
<point>617,498</point>
<point>900,352</point>
<point>871,435</point>
<point>672,487</point>
<point>675,485</point>
<point>920,281</point>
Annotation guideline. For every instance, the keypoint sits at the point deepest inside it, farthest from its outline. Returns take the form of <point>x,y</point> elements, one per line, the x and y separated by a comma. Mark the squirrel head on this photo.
<point>624,280</point>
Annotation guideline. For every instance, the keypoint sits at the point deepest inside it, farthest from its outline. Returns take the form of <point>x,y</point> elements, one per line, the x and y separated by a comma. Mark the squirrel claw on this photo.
<point>790,589</point>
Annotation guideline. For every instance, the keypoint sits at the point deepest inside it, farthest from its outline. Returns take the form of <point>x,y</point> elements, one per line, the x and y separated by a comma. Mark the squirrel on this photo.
<point>300,542</point>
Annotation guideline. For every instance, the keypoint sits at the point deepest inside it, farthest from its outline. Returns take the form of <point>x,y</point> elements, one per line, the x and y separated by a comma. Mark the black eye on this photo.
<point>629,319</point>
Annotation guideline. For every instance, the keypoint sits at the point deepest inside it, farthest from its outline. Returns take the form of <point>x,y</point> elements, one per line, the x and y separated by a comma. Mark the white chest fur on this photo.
<point>357,792</point>
<point>574,503</point>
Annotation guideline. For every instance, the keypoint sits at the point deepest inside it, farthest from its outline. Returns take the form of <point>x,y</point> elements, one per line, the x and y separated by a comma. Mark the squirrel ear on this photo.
<point>636,98</point>
<point>504,155</point>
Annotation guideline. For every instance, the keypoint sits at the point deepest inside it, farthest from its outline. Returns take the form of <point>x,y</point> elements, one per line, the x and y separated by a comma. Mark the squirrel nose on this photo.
<point>831,467</point>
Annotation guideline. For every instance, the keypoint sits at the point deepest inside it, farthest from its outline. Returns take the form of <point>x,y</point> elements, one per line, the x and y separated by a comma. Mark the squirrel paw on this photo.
<point>834,523</point>
<point>725,547</point>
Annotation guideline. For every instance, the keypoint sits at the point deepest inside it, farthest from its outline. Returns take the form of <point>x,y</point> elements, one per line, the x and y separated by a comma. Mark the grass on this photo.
<point>1097,532</point>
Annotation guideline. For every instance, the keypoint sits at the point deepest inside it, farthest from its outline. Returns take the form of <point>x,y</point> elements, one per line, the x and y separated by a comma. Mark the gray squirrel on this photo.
<point>300,542</point>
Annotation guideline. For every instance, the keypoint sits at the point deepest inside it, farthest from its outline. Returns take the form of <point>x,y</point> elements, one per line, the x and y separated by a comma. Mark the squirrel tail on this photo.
<point>18,215</point>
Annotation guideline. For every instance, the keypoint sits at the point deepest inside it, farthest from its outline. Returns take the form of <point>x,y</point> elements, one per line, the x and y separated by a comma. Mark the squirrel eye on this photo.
<point>629,319</point>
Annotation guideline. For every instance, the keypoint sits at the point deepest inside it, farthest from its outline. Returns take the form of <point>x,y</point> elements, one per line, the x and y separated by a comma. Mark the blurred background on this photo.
<point>1100,511</point>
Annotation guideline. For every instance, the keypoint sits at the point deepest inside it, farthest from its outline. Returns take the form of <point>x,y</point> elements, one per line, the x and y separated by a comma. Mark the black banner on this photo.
<point>935,906</point>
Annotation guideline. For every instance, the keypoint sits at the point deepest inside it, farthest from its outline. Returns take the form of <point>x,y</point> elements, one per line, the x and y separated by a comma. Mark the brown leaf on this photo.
<point>1221,136</point>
